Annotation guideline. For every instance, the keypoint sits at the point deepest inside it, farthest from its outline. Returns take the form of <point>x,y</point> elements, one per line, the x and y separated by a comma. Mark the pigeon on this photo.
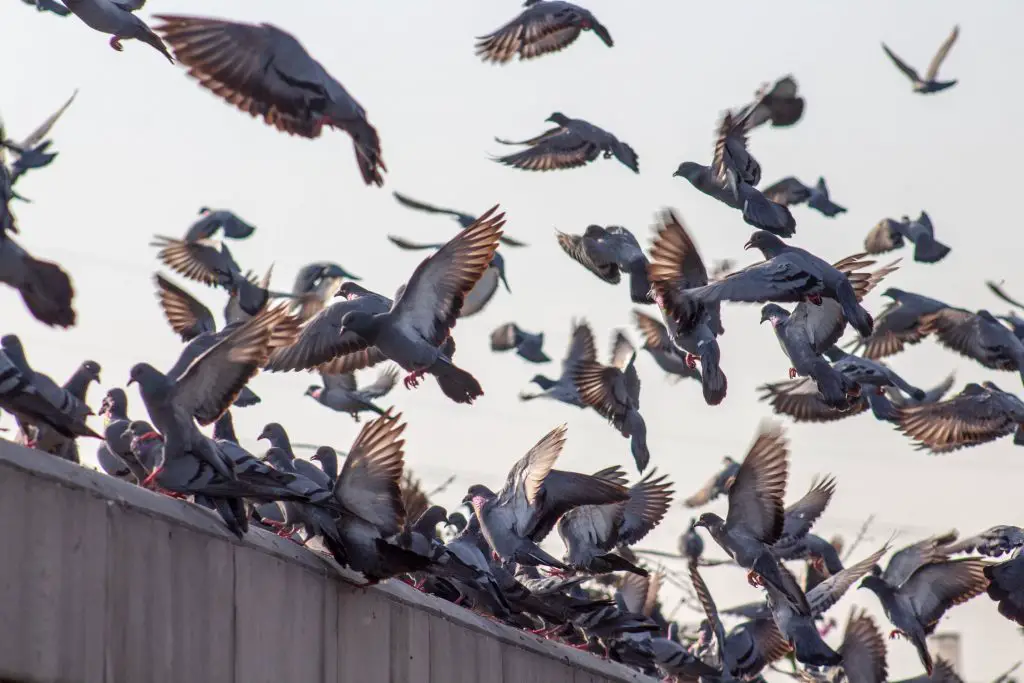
<point>573,143</point>
<point>993,542</point>
<point>790,191</point>
<point>605,625</point>
<point>1006,587</point>
<point>791,274</point>
<point>44,286</point>
<point>718,485</point>
<point>276,435</point>
<point>799,629</point>
<point>862,650</point>
<point>526,344</point>
<point>117,18</point>
<point>928,84</point>
<point>756,514</point>
<point>693,327</point>
<point>581,348</point>
<point>342,394</point>
<point>779,104</point>
<point>888,235</point>
<point>463,219</point>
<point>977,415</point>
<point>220,219</point>
<point>207,387</point>
<point>607,252</point>
<point>997,289</point>
<point>535,495</point>
<point>614,394</point>
<point>420,320</point>
<point>899,324</point>
<point>266,72</point>
<point>544,26</point>
<point>590,532</point>
<point>77,388</point>
<point>314,520</point>
<point>800,399</point>
<point>666,354</point>
<point>799,517</point>
<point>933,395</point>
<point>315,284</point>
<point>33,150</point>
<point>978,336</point>
<point>867,372</point>
<point>49,6</point>
<point>691,545</point>
<point>732,177</point>
<point>915,604</point>
<point>116,449</point>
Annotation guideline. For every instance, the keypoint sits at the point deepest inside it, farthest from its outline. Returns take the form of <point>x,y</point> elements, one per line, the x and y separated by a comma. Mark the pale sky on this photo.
<point>143,147</point>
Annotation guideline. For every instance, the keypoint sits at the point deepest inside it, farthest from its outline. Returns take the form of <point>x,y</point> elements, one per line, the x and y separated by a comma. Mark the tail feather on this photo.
<point>456,383</point>
<point>620,564</point>
<point>639,285</point>
<point>928,250</point>
<point>768,568</point>
<point>47,292</point>
<point>713,381</point>
<point>854,313</point>
<point>923,654</point>
<point>810,649</point>
<point>366,143</point>
<point>399,560</point>
<point>763,213</point>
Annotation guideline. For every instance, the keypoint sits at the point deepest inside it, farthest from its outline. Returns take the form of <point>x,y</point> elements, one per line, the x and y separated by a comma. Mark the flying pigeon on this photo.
<point>666,354</point>
<point>44,286</point>
<point>977,415</point>
<point>978,336</point>
<point>342,394</point>
<point>572,144</point>
<point>527,345</point>
<point>899,324</point>
<point>581,348</point>
<point>1006,587</point>
<point>800,399</point>
<point>928,84</point>
<point>888,235</point>
<point>779,104</point>
<point>49,6</point>
<point>799,517</point>
<point>117,18</point>
<point>933,395</point>
<point>790,191</point>
<point>315,284</point>
<point>266,72</point>
<point>718,485</point>
<point>607,253</point>
<point>799,629</point>
<point>544,26</point>
<point>993,542</point>
<point>463,219</point>
<point>33,150</point>
<point>676,267</point>
<point>220,219</point>
<point>867,372</point>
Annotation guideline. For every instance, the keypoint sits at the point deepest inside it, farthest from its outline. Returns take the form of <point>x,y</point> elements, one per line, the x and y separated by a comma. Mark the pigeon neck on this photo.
<point>79,383</point>
<point>224,428</point>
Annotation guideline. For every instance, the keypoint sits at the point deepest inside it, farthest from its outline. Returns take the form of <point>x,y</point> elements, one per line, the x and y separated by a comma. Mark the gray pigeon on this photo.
<point>527,345</point>
<point>342,393</point>
<point>863,650</point>
<point>978,336</point>
<point>799,517</point>
<point>666,354</point>
<point>756,515</point>
<point>867,372</point>
<point>691,545</point>
<point>77,387</point>
<point>463,219</point>
<point>33,151</point>
<point>933,395</point>
<point>791,274</point>
<point>928,84</point>
<point>718,485</point>
<point>676,267</point>
<point>297,95</point>
<point>276,435</point>
<point>413,330</point>
<point>899,324</point>
<point>591,532</point>
<point>220,219</point>
<point>1006,587</point>
<point>993,542</point>
<point>115,452</point>
<point>888,235</point>
<point>790,191</point>
<point>572,144</point>
<point>49,6</point>
<point>545,26</point>
<point>581,348</point>
<point>607,252</point>
<point>315,284</point>
<point>34,400</point>
<point>779,104</point>
<point>799,629</point>
<point>44,286</point>
<point>315,520</point>
<point>118,19</point>
<point>977,415</point>
<point>614,394</point>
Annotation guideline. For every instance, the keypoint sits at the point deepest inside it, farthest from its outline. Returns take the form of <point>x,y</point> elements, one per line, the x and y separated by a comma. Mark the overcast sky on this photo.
<point>143,147</point>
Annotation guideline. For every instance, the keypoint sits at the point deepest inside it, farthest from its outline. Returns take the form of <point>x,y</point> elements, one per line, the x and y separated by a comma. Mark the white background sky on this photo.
<point>143,147</point>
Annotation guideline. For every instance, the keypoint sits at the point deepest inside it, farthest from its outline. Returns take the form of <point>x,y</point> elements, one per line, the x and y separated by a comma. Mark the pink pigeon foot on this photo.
<point>754,579</point>
<point>691,361</point>
<point>115,43</point>
<point>413,378</point>
<point>897,634</point>
<point>792,373</point>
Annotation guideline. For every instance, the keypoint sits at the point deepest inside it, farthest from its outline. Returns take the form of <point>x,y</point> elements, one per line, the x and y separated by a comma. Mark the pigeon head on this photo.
<point>558,118</point>
<point>498,263</point>
<point>147,377</point>
<point>364,324</point>
<point>276,435</point>
<point>91,369</point>
<point>278,459</point>
<point>775,313</point>
<point>350,290</point>
<point>710,521</point>
<point>114,403</point>
<point>333,270</point>
<point>893,293</point>
<point>458,520</point>
<point>328,459</point>
<point>543,382</point>
<point>874,583</point>
<point>11,343</point>
<point>478,491</point>
<point>690,170</point>
<point>313,390</point>
<point>769,244</point>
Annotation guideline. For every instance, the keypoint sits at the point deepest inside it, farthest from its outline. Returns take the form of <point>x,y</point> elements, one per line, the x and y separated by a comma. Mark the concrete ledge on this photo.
<point>104,581</point>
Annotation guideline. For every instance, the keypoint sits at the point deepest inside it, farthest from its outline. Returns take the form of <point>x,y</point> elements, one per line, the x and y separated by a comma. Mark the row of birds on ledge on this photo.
<point>367,511</point>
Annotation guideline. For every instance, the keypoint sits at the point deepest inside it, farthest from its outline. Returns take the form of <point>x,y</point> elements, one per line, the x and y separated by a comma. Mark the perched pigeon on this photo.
<point>544,26</point>
<point>607,252</point>
<point>526,344</point>
<point>666,354</point>
<point>581,349</point>
<point>342,394</point>
<point>591,532</point>
<point>463,219</point>
<point>77,387</point>
<point>978,336</point>
<point>779,104</point>
<point>266,72</point>
<point>315,284</point>
<point>413,330</point>
<point>116,443</point>
<point>993,542</point>
<point>221,219</point>
<point>614,393</point>
<point>976,415</point>
<point>889,234</point>
<point>899,324</point>
<point>572,144</point>
<point>791,274</point>
<point>676,267</point>
<point>276,435</point>
<point>790,192</point>
<point>49,6</point>
<point>756,514</point>
<point>718,485</point>
<point>1006,587</point>
<point>44,286</point>
<point>928,84</point>
<point>119,20</point>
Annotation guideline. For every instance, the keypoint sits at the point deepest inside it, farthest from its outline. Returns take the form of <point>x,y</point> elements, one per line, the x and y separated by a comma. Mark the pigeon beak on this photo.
<point>676,174</point>
<point>748,245</point>
<point>131,381</point>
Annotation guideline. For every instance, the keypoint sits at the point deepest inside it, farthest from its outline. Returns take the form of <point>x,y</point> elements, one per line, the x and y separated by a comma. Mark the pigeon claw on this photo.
<point>792,373</point>
<point>896,634</point>
<point>413,378</point>
<point>115,43</point>
<point>691,361</point>
<point>754,579</point>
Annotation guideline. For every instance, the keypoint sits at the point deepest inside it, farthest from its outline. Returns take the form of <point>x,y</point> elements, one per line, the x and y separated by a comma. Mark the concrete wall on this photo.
<point>103,581</point>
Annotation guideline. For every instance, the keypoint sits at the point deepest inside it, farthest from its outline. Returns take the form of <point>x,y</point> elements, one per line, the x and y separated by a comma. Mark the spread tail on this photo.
<point>456,383</point>
<point>712,380</point>
<point>928,250</point>
<point>47,292</point>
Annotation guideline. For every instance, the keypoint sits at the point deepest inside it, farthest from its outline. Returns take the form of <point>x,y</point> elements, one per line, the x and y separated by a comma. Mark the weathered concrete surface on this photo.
<point>103,581</point>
